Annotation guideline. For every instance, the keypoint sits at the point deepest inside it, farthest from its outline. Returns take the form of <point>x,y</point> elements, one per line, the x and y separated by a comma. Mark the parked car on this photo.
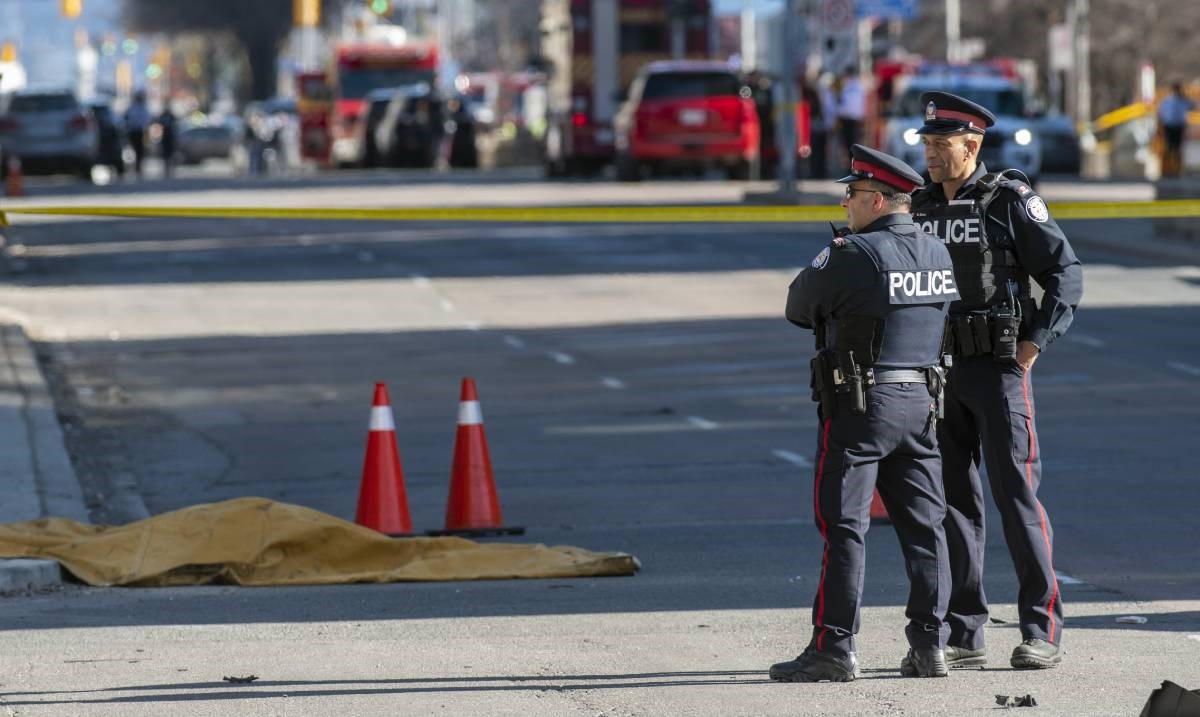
<point>49,130</point>
<point>1060,144</point>
<point>686,114</point>
<point>199,142</point>
<point>110,146</point>
<point>412,127</point>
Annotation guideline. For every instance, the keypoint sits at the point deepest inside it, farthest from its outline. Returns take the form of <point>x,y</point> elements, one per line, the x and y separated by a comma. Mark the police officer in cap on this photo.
<point>1000,236</point>
<point>877,299</point>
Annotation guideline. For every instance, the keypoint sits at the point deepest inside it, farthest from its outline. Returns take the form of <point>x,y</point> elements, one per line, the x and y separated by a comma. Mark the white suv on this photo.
<point>1012,143</point>
<point>49,130</point>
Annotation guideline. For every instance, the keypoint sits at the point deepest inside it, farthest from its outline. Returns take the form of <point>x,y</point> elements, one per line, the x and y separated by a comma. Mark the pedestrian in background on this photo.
<point>1000,236</point>
<point>851,109</point>
<point>877,300</point>
<point>137,121</point>
<point>166,140</point>
<point>1172,120</point>
<point>823,125</point>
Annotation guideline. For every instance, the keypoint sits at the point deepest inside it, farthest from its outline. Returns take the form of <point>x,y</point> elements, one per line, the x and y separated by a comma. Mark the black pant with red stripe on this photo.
<point>989,415</point>
<point>892,447</point>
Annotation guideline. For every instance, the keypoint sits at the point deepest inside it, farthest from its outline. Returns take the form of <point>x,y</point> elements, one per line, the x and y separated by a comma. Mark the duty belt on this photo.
<point>993,334</point>
<point>911,375</point>
<point>829,380</point>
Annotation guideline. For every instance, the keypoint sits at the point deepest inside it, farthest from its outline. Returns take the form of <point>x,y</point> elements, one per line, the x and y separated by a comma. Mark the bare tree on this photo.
<point>1124,33</point>
<point>259,26</point>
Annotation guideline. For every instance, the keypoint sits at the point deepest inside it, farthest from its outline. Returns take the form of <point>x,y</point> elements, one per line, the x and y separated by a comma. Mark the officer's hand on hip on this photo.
<point>1027,353</point>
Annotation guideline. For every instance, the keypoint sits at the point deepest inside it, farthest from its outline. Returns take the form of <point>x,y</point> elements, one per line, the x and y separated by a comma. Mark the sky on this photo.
<point>733,7</point>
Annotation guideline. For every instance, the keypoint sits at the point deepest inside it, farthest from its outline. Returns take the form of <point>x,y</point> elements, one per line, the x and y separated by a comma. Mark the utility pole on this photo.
<point>953,31</point>
<point>1080,10</point>
<point>749,36</point>
<point>787,118</point>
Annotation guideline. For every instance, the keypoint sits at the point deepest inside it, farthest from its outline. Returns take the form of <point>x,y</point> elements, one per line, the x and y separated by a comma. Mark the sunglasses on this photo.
<point>851,190</point>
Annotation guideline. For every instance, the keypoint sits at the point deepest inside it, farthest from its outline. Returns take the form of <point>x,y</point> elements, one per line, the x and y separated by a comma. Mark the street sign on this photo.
<point>838,35</point>
<point>900,9</point>
<point>837,15</point>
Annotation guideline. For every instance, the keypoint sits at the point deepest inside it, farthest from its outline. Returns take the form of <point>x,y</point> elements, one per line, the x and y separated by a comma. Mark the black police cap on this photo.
<point>867,163</point>
<point>946,113</point>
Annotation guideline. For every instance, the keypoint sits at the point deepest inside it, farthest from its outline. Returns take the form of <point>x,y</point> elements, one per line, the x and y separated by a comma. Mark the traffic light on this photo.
<point>380,7</point>
<point>306,13</point>
<point>72,8</point>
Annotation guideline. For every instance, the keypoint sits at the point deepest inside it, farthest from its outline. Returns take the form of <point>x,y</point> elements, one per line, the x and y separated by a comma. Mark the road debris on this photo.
<point>1132,620</point>
<point>241,680</point>
<point>1019,701</point>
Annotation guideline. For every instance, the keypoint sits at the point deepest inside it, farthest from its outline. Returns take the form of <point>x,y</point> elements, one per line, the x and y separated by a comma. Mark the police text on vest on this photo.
<point>954,231</point>
<point>922,283</point>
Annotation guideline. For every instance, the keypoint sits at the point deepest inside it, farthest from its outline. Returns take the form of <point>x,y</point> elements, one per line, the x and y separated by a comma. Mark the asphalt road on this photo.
<point>641,393</point>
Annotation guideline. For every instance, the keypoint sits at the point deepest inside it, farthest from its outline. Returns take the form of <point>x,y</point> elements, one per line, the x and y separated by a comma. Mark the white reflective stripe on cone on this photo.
<point>381,419</point>
<point>469,413</point>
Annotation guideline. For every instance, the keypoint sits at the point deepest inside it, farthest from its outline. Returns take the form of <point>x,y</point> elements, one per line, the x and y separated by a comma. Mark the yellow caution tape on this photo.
<point>1121,115</point>
<point>624,214</point>
<point>572,215</point>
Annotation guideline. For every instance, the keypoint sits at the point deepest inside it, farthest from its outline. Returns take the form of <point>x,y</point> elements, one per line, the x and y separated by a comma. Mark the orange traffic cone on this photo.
<point>473,507</point>
<point>878,512</point>
<point>13,182</point>
<point>382,501</point>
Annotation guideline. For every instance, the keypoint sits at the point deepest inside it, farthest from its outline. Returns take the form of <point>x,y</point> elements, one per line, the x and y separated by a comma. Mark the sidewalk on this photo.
<point>36,476</point>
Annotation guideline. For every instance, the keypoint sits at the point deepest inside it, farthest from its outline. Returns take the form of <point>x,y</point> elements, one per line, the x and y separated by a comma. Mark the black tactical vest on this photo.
<point>981,247</point>
<point>900,323</point>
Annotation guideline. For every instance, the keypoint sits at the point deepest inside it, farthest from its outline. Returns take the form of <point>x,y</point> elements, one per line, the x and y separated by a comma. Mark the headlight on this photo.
<point>1023,137</point>
<point>911,138</point>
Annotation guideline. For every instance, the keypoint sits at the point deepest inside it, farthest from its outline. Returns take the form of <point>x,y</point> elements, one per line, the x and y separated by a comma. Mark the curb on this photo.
<point>23,574</point>
<point>36,474</point>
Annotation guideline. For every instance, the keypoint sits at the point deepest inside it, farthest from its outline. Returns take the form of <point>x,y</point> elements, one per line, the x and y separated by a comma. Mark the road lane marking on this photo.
<point>514,342</point>
<point>1185,368</point>
<point>615,429</point>
<point>1064,579</point>
<point>1090,341</point>
<point>615,384</point>
<point>794,458</point>
<point>561,358</point>
<point>777,390</point>
<point>702,423</point>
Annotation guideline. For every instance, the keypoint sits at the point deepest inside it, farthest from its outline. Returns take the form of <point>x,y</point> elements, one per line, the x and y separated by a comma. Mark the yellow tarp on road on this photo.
<point>255,541</point>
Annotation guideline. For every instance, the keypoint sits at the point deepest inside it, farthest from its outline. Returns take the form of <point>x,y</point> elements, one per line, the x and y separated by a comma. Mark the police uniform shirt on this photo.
<point>1017,219</point>
<point>890,270</point>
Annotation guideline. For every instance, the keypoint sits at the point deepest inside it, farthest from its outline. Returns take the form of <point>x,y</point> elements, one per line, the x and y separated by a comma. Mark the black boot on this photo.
<point>924,662</point>
<point>816,666</point>
<point>1036,654</point>
<point>960,657</point>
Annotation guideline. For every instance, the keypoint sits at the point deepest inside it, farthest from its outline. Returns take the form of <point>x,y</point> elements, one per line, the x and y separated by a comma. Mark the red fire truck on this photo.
<point>355,70</point>
<point>595,49</point>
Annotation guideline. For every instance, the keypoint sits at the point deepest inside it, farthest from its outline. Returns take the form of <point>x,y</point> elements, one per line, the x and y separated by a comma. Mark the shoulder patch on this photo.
<point>821,259</point>
<point>839,241</point>
<point>1036,208</point>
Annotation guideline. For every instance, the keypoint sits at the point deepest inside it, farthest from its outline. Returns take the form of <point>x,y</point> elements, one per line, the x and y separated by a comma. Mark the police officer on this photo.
<point>877,300</point>
<point>1000,236</point>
